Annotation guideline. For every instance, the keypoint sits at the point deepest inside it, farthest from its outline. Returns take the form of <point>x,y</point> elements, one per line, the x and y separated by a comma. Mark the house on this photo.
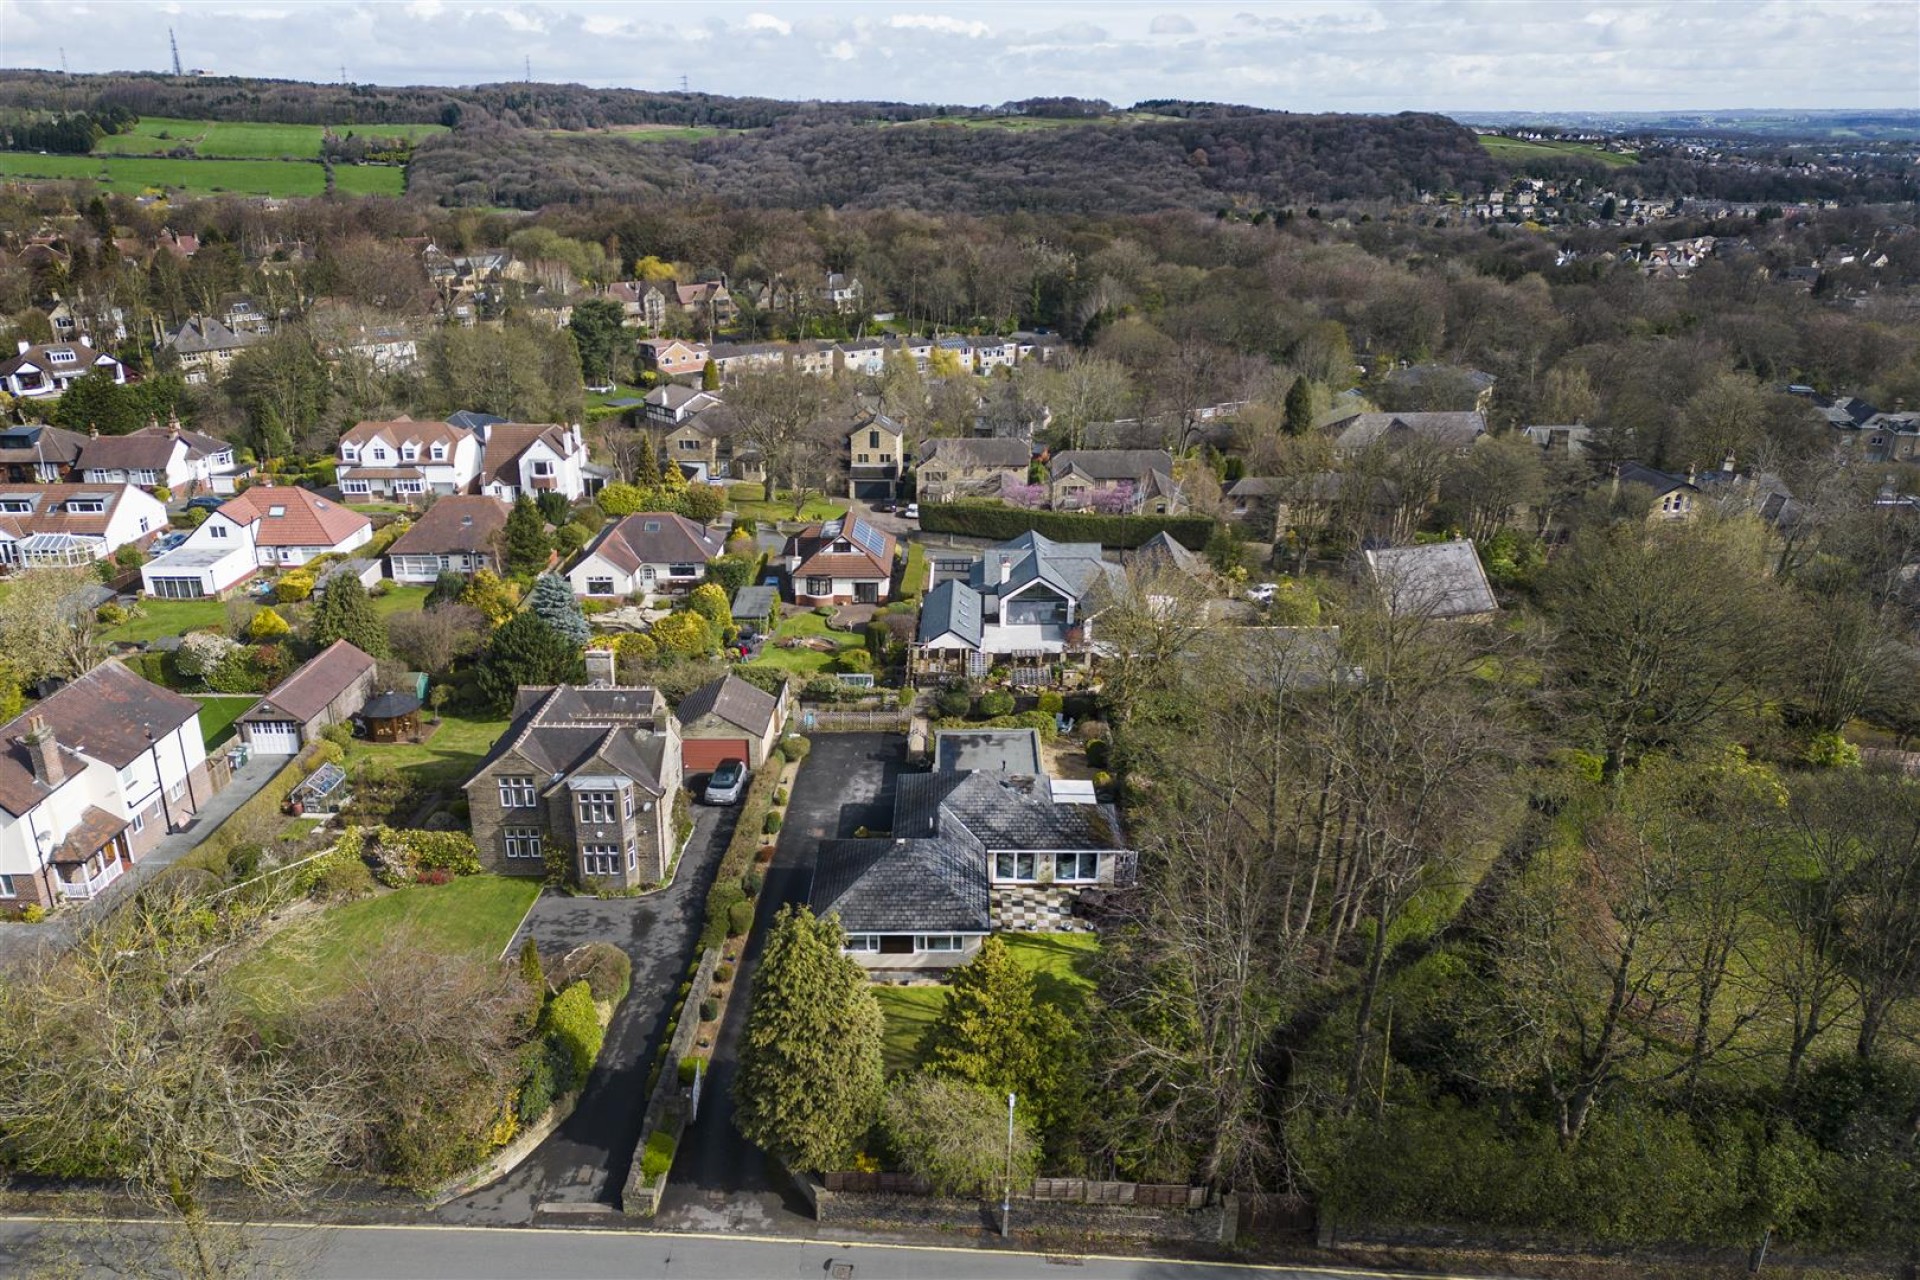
<point>593,771</point>
<point>404,459</point>
<point>642,303</point>
<point>69,524</point>
<point>37,452</point>
<point>205,348</point>
<point>950,467</point>
<point>533,459</point>
<point>649,552</point>
<point>1444,381</point>
<point>845,560</point>
<point>329,688</point>
<point>1674,497</point>
<point>670,404</point>
<point>1268,507</point>
<point>1452,432</point>
<point>70,321</point>
<point>988,354</point>
<point>842,293</point>
<point>184,462</point>
<point>702,446</point>
<point>973,850</point>
<point>729,719</point>
<point>1119,480</point>
<point>457,534</point>
<point>731,359</point>
<point>268,525</point>
<point>709,300</point>
<point>91,779</point>
<point>674,357</point>
<point>1030,597</point>
<point>44,372</point>
<point>1571,440</point>
<point>863,357</point>
<point>876,458</point>
<point>1437,580</point>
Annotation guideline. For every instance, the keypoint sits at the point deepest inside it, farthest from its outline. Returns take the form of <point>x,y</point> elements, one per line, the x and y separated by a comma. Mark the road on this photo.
<point>88,1249</point>
<point>722,1182</point>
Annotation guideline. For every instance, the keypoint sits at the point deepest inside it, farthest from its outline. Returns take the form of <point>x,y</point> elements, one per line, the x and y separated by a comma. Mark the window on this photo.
<point>85,507</point>
<point>351,487</point>
<point>863,942</point>
<point>938,942</point>
<point>177,790</point>
<point>1076,866</point>
<point>130,776</point>
<point>410,486</point>
<point>819,586</point>
<point>633,854</point>
<point>219,531</point>
<point>690,446</point>
<point>276,511</point>
<point>145,525</point>
<point>599,586</point>
<point>543,469</point>
<point>139,823</point>
<point>600,859</point>
<point>17,506</point>
<point>862,458</point>
<point>873,440</point>
<point>439,453</point>
<point>1013,866</point>
<point>410,453</point>
<point>523,842</point>
<point>349,453</point>
<point>516,793</point>
<point>683,570</point>
<point>379,454</point>
<point>596,808</point>
<point>6,887</point>
<point>628,797</point>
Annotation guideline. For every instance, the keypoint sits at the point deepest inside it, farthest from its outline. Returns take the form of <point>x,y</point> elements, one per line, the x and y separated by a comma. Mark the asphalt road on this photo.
<point>722,1182</point>
<point>88,1249</point>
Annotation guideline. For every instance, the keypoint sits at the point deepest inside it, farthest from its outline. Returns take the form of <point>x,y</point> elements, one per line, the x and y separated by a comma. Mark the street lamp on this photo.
<point>1006,1201</point>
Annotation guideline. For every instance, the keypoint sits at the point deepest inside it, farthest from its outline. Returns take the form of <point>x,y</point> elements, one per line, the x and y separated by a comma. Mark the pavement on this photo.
<point>21,942</point>
<point>578,1172</point>
<point>722,1182</point>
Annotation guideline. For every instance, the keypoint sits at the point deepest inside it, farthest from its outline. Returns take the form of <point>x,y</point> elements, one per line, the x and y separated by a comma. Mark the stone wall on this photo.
<point>671,1105</point>
<point>1214,1224</point>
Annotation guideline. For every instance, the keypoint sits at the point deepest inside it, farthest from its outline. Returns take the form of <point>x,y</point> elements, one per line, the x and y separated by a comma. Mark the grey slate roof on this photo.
<point>751,604</point>
<point>1448,430</point>
<point>1113,464</point>
<point>1000,811</point>
<point>903,886</point>
<point>977,451</point>
<point>733,700</point>
<point>952,607</point>
<point>1010,751</point>
<point>1163,551</point>
<point>1071,567</point>
<point>1659,481</point>
<point>1439,580</point>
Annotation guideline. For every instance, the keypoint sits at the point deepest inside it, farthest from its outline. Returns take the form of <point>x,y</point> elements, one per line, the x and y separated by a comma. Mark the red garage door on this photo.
<point>699,755</point>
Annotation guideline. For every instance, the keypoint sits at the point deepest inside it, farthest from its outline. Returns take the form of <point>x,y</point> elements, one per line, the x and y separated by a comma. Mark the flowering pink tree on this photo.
<point>1024,495</point>
<point>1115,501</point>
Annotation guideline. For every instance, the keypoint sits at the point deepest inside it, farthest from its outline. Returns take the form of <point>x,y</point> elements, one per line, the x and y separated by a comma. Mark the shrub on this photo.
<point>780,797</point>
<point>293,587</point>
<point>433,876</point>
<point>110,614</point>
<point>723,973</point>
<point>572,1026</point>
<point>32,913</point>
<point>720,903</point>
<point>605,968</point>
<point>243,860</point>
<point>772,825</point>
<point>953,703</point>
<point>689,1068</point>
<point>537,1089</point>
<point>1099,755</point>
<point>907,695</point>
<point>739,919</point>
<point>856,661</point>
<point>658,1157</point>
<point>1832,751</point>
<point>795,748</point>
<point>750,883</point>
<point>823,610</point>
<point>997,702</point>
<point>1052,703</point>
<point>709,1010</point>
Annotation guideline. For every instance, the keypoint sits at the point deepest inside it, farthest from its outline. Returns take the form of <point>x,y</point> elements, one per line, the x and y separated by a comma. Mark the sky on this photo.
<point>1302,55</point>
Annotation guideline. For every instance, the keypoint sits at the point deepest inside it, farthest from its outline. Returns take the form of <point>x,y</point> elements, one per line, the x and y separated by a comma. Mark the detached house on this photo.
<point>592,770</point>
<point>1030,597</point>
<point>44,372</point>
<point>185,462</point>
<point>519,458</point>
<point>704,446</point>
<point>457,534</point>
<point>1452,432</point>
<point>841,561</point>
<point>267,526</point>
<point>671,404</point>
<point>91,778</point>
<point>73,524</point>
<point>953,467</point>
<point>876,458</point>
<point>649,552</point>
<point>1673,497</point>
<point>37,452</point>
<point>205,348</point>
<point>842,293</point>
<point>674,357</point>
<point>1438,580</point>
<point>404,459</point>
<point>1125,480</point>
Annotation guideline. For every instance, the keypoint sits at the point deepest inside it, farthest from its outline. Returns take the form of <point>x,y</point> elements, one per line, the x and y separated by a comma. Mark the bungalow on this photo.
<point>729,719</point>
<point>329,688</point>
<point>1439,580</point>
<point>876,458</point>
<point>91,779</point>
<point>184,462</point>
<point>37,452</point>
<point>1030,597</point>
<point>268,525</point>
<point>647,553</point>
<point>840,561</point>
<point>72,524</point>
<point>44,372</point>
<point>405,459</point>
<point>951,467</point>
<point>1120,480</point>
<point>1452,432</point>
<point>519,458</point>
<point>457,534</point>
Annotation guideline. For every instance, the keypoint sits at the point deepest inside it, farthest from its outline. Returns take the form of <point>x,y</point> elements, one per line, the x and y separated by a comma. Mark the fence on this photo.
<point>818,719</point>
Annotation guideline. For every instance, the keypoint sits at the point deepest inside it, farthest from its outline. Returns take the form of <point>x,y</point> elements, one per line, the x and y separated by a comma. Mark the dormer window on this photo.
<point>409,453</point>
<point>349,453</point>
<point>17,506</point>
<point>85,506</point>
<point>61,355</point>
<point>842,548</point>
<point>439,452</point>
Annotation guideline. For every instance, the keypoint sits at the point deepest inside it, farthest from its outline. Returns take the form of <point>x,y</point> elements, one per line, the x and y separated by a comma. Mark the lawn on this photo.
<point>244,140</point>
<point>473,915</point>
<point>805,661</point>
<point>401,600</point>
<point>218,711</point>
<point>1517,149</point>
<point>134,175</point>
<point>749,502</point>
<point>445,760</point>
<point>1062,965</point>
<point>168,618</point>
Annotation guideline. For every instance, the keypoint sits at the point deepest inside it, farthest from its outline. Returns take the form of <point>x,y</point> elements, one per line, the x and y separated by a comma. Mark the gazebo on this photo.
<point>391,716</point>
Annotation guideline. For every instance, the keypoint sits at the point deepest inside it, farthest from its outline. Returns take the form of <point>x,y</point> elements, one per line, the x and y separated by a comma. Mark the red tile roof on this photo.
<point>305,518</point>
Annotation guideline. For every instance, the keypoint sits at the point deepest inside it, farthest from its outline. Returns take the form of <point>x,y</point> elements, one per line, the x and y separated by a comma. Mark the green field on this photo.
<point>1023,124</point>
<point>671,132</point>
<point>1517,149</point>
<point>1062,965</point>
<point>218,711</point>
<point>242,140</point>
<point>133,175</point>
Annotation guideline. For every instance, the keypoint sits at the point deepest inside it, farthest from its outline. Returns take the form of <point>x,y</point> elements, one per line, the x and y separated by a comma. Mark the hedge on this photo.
<point>573,1028</point>
<point>738,858</point>
<point>992,520</point>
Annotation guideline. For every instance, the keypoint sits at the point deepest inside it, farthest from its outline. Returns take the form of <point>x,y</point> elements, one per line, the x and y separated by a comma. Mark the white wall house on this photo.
<point>651,552</point>
<point>267,526</point>
<point>406,459</point>
<point>186,462</point>
<point>69,524</point>
<point>533,459</point>
<point>44,372</point>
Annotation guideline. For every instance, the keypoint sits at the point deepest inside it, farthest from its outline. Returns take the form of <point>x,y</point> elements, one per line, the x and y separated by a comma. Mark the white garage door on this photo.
<point>273,737</point>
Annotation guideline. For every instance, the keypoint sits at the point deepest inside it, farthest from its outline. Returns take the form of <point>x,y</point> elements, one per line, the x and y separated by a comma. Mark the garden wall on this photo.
<point>670,1108</point>
<point>992,520</point>
<point>1128,1219</point>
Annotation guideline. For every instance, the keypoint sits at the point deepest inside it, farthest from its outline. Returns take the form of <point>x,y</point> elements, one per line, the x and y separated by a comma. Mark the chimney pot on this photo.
<point>24,346</point>
<point>43,753</point>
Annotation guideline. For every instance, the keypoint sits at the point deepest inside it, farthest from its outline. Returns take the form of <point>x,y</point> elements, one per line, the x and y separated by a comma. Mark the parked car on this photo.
<point>728,782</point>
<point>883,508</point>
<point>205,502</point>
<point>1262,592</point>
<point>911,511</point>
<point>162,545</point>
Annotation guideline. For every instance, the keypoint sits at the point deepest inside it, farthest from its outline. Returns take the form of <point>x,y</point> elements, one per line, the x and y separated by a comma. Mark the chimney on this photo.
<point>43,753</point>
<point>24,346</point>
<point>86,340</point>
<point>1006,570</point>
<point>1690,473</point>
<point>173,425</point>
<point>601,667</point>
<point>1726,463</point>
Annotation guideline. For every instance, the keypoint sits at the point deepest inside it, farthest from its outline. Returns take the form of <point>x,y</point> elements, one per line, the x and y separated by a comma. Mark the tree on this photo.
<point>438,636</point>
<point>1492,482</point>
<point>554,507</point>
<point>47,624</point>
<point>619,499</point>
<point>267,625</point>
<point>552,599</point>
<point>687,634</point>
<point>710,376</point>
<point>345,613</point>
<point>710,601</point>
<point>954,1135</point>
<point>526,651</point>
<point>95,401</point>
<point>283,386</point>
<point>776,408</point>
<point>596,333</point>
<point>730,573</point>
<point>1299,420</point>
<point>811,1072</point>
<point>493,596</point>
<point>527,545</point>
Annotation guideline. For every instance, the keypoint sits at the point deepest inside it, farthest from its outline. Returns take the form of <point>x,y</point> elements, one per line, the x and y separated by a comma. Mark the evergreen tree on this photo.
<point>448,585</point>
<point>554,507</point>
<point>491,595</point>
<point>526,651</point>
<point>710,376</point>
<point>527,543</point>
<point>811,1075</point>
<point>345,613</point>
<point>711,602</point>
<point>552,599</point>
<point>1300,407</point>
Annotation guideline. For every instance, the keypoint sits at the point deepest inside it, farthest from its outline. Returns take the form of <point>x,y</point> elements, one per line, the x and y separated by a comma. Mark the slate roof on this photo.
<point>457,523</point>
<point>734,701</point>
<point>1449,430</point>
<point>306,519</point>
<point>1000,811</point>
<point>37,442</point>
<point>654,537</point>
<point>752,604</point>
<point>473,420</point>
<point>202,334</point>
<point>1439,580</point>
<point>84,359</point>
<point>308,691</point>
<point>902,886</point>
<point>1112,465</point>
<point>977,452</point>
<point>1073,568</point>
<point>954,608</point>
<point>105,714</point>
<point>571,729</point>
<point>1010,751</point>
<point>1659,481</point>
<point>390,705</point>
<point>1163,551</point>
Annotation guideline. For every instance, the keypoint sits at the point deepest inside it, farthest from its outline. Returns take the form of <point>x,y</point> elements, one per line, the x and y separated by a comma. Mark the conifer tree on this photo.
<point>553,600</point>
<point>527,543</point>
<point>345,613</point>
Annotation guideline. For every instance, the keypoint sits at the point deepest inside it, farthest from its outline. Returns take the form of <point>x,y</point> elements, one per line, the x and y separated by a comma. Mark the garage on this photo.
<point>703,755</point>
<point>272,737</point>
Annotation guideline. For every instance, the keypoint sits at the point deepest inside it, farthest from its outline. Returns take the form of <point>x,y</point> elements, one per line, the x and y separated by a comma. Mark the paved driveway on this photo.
<point>722,1182</point>
<point>579,1170</point>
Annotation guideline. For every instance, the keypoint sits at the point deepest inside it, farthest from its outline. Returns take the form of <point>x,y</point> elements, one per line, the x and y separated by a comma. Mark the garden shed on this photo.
<point>392,716</point>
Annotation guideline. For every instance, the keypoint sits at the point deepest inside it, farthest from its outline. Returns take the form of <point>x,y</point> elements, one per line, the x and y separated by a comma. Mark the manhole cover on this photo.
<point>843,1271</point>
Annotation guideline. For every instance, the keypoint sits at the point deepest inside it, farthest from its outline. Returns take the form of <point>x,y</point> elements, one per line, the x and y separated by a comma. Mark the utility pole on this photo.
<point>529,68</point>
<point>683,84</point>
<point>175,43</point>
<point>1006,1200</point>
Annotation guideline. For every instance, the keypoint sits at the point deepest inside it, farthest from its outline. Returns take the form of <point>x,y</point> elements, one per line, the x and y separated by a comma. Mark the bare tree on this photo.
<point>778,411</point>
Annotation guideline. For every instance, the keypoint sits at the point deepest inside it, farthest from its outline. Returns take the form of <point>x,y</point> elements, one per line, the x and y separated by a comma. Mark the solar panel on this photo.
<point>870,538</point>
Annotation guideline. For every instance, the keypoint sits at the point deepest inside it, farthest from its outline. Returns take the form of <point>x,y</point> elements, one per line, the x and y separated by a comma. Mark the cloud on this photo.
<point>1171,24</point>
<point>768,22</point>
<point>940,23</point>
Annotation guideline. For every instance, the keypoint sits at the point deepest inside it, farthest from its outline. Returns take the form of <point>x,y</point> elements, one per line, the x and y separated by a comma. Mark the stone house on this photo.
<point>951,467</point>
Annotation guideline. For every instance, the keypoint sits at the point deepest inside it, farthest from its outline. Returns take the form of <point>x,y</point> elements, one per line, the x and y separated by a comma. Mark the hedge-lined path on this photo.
<point>20,942</point>
<point>722,1182</point>
<point>579,1170</point>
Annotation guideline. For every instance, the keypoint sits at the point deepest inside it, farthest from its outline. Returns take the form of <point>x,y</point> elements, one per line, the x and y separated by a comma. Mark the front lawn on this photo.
<point>473,915</point>
<point>805,661</point>
<point>445,760</point>
<point>168,618</point>
<point>1062,965</point>
<point>750,502</point>
<point>218,711</point>
<point>909,1012</point>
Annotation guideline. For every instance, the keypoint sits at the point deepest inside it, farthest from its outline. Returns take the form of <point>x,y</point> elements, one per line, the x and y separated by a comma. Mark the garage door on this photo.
<point>272,737</point>
<point>699,755</point>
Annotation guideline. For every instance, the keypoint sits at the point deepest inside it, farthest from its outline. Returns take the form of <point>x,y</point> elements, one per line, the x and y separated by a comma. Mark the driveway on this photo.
<point>722,1182</point>
<point>579,1170</point>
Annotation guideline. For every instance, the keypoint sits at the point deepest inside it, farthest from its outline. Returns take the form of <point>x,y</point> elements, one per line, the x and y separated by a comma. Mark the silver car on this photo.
<point>727,783</point>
